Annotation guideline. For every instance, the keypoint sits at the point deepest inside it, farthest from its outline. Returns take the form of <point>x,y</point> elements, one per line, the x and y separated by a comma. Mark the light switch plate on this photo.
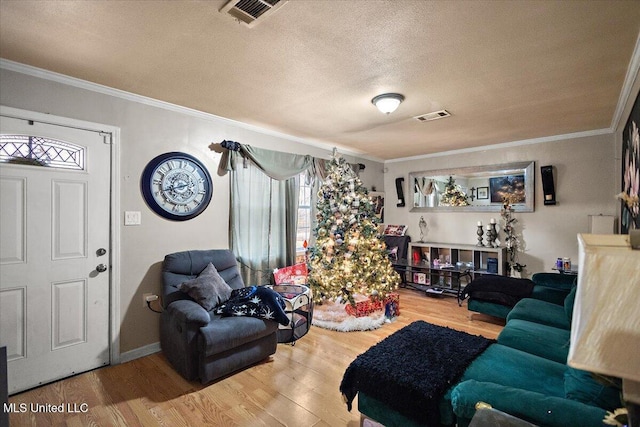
<point>132,218</point>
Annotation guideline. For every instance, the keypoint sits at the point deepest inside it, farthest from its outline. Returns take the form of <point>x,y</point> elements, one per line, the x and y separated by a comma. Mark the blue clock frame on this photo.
<point>176,186</point>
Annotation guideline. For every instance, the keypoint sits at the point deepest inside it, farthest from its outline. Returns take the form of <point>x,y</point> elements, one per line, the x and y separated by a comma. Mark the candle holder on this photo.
<point>480,232</point>
<point>489,243</point>
<point>494,235</point>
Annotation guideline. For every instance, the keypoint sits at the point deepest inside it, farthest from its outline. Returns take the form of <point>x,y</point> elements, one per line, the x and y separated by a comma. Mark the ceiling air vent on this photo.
<point>250,12</point>
<point>433,116</point>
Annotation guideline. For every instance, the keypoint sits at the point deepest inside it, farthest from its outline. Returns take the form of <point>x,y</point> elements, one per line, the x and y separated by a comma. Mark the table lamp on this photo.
<point>605,329</point>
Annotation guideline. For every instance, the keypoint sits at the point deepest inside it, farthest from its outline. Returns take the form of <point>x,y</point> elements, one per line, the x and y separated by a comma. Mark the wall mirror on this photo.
<point>473,189</point>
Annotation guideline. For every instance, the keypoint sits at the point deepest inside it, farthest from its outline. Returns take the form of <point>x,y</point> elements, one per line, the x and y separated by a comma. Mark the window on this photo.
<point>303,232</point>
<point>40,151</point>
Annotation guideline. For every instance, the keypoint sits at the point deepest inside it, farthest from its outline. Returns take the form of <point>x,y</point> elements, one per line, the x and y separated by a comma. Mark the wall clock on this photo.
<point>176,186</point>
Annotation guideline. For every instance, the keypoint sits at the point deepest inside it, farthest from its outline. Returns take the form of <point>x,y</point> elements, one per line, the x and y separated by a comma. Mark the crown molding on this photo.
<point>106,90</point>
<point>632,73</point>
<point>627,86</point>
<point>554,138</point>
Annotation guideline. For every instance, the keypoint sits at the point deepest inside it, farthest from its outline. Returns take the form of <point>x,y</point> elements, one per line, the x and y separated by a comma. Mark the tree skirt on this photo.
<point>331,315</point>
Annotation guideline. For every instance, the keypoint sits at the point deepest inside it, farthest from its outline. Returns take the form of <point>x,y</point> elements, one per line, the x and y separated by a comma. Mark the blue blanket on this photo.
<point>255,301</point>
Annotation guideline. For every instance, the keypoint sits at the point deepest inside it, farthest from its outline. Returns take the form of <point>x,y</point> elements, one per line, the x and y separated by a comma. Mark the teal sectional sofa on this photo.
<point>540,328</point>
<point>548,287</point>
<point>523,374</point>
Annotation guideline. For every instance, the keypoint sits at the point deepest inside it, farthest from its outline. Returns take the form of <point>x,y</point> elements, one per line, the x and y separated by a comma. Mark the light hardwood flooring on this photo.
<point>297,386</point>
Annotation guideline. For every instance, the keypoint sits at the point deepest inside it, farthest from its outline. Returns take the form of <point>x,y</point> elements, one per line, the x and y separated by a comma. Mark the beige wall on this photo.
<point>147,131</point>
<point>585,185</point>
<point>587,178</point>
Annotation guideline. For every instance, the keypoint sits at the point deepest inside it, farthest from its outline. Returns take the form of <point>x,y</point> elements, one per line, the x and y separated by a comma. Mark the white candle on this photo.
<point>488,227</point>
<point>479,223</point>
<point>493,221</point>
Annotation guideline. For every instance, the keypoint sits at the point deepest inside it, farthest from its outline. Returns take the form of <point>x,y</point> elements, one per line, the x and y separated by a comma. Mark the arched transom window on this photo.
<point>41,151</point>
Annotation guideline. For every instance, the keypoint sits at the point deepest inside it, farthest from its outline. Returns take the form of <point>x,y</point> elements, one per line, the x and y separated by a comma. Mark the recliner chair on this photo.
<point>200,344</point>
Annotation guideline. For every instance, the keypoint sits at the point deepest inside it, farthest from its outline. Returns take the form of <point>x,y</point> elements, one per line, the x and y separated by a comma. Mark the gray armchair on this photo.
<point>200,344</point>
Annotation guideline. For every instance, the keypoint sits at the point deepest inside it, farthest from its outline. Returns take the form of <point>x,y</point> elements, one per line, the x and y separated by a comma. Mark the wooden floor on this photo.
<point>297,386</point>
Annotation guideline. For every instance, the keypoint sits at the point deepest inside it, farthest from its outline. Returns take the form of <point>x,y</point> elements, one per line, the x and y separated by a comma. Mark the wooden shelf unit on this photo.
<point>445,279</point>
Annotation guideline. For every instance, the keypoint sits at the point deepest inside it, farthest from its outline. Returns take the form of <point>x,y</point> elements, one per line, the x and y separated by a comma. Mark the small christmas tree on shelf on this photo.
<point>453,195</point>
<point>349,257</point>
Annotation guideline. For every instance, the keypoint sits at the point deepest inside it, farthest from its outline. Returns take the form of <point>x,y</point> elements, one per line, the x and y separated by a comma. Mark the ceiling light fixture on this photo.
<point>387,102</point>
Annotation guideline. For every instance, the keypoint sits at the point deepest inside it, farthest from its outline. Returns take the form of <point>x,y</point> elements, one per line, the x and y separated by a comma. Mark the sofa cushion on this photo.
<point>383,414</point>
<point>538,408</point>
<point>228,333</point>
<point>554,280</point>
<point>542,312</point>
<point>208,289</point>
<point>548,294</point>
<point>487,307</point>
<point>514,368</point>
<point>535,338</point>
<point>568,304</point>
<point>186,265</point>
<point>581,386</point>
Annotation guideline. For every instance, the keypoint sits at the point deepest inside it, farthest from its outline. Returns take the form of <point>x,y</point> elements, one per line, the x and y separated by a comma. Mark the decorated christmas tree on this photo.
<point>349,257</point>
<point>453,195</point>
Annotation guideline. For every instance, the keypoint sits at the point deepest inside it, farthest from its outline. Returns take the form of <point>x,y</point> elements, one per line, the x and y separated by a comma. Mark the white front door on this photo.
<point>54,252</point>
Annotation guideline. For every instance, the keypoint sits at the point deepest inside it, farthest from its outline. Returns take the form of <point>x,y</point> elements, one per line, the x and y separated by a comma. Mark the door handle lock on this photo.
<point>101,268</point>
<point>101,251</point>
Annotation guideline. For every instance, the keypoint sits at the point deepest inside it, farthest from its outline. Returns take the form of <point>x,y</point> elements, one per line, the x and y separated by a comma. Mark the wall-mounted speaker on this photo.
<point>548,187</point>
<point>400,191</point>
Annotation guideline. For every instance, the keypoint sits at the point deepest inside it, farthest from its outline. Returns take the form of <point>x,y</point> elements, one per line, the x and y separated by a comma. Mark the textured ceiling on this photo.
<point>505,70</point>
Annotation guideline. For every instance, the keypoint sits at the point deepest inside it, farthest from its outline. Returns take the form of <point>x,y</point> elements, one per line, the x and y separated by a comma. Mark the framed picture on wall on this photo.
<point>377,198</point>
<point>395,230</point>
<point>510,186</point>
<point>630,195</point>
<point>482,193</point>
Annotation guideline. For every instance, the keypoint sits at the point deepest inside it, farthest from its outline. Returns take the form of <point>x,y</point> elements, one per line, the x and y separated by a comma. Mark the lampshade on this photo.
<point>605,328</point>
<point>388,102</point>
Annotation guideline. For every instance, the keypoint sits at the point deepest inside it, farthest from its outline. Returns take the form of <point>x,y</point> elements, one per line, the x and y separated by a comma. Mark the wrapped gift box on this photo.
<point>392,305</point>
<point>364,307</point>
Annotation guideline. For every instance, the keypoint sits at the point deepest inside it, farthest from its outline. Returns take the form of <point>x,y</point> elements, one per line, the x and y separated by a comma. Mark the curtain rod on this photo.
<point>235,146</point>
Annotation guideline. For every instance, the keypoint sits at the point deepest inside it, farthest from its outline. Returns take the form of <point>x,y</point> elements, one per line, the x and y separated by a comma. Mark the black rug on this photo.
<point>410,370</point>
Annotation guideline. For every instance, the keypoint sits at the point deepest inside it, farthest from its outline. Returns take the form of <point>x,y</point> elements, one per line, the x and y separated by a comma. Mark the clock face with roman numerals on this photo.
<point>176,186</point>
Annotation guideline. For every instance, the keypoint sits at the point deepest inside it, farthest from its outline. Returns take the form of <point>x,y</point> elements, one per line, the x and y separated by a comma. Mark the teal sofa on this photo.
<point>523,374</point>
<point>548,287</point>
<point>540,328</point>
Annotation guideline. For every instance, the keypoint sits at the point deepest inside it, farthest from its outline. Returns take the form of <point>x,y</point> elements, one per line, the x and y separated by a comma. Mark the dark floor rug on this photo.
<point>410,370</point>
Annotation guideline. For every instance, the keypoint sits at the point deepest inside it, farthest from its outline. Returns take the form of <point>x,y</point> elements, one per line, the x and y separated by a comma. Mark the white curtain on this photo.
<point>264,205</point>
<point>263,222</point>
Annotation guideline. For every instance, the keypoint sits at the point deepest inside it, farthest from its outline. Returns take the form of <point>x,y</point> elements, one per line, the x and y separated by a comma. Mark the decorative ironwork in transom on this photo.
<point>40,151</point>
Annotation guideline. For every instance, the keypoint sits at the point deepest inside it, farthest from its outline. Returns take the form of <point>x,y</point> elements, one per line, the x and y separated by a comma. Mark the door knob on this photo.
<point>101,268</point>
<point>101,251</point>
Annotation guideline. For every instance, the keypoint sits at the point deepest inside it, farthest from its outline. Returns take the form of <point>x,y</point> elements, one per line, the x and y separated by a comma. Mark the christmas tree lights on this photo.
<point>349,257</point>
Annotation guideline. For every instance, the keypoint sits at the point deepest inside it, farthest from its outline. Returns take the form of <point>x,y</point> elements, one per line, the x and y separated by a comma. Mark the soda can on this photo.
<point>566,264</point>
<point>559,264</point>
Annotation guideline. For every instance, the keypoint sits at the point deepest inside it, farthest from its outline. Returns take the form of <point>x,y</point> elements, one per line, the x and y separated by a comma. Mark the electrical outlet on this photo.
<point>148,297</point>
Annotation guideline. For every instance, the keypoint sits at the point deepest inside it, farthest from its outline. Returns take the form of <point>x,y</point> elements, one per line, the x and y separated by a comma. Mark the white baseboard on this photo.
<point>140,352</point>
